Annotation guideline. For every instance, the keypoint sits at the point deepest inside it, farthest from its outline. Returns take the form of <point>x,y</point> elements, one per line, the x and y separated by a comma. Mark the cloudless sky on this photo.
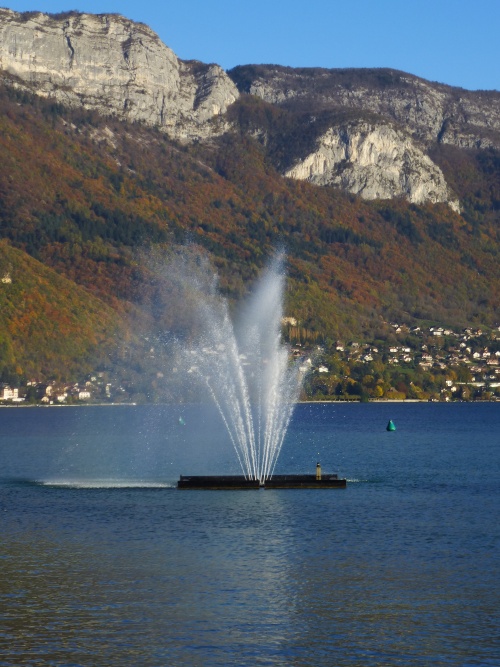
<point>451,41</point>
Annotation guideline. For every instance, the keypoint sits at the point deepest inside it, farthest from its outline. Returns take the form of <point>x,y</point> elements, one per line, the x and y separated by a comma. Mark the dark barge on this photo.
<point>239,482</point>
<point>213,482</point>
<point>327,481</point>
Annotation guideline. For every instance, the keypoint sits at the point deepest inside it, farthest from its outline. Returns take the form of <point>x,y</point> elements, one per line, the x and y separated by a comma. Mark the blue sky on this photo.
<point>452,41</point>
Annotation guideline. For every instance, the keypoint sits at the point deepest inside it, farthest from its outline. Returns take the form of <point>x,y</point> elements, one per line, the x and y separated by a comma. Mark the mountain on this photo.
<point>430,112</point>
<point>115,66</point>
<point>366,131</point>
<point>370,131</point>
<point>113,150</point>
<point>377,150</point>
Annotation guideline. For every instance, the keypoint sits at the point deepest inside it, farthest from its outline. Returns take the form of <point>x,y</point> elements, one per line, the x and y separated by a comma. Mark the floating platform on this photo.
<point>216,482</point>
<point>327,481</point>
<point>239,482</point>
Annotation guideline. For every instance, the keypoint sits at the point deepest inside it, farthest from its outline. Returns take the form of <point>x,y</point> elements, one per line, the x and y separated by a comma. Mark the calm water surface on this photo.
<point>103,562</point>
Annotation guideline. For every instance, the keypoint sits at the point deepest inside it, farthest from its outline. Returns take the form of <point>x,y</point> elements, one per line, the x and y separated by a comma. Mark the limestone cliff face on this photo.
<point>375,161</point>
<point>431,112</point>
<point>117,67</point>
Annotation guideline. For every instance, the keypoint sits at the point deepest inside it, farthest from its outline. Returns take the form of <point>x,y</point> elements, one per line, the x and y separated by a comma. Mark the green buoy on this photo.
<point>391,426</point>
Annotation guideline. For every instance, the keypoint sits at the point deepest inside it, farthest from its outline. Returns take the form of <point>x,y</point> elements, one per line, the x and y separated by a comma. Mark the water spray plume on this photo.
<point>246,367</point>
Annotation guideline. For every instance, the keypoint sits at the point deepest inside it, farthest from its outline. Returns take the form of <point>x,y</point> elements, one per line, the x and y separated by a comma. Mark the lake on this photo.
<point>105,562</point>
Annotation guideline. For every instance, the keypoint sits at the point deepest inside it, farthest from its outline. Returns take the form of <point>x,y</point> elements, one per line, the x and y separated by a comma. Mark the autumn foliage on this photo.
<point>82,197</point>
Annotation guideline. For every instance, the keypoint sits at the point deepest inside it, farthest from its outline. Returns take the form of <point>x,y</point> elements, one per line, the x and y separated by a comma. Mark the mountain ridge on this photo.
<point>81,191</point>
<point>287,86</point>
<point>118,67</point>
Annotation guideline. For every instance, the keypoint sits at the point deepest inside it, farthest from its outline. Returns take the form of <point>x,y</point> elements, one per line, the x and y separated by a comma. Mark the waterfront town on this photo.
<point>411,364</point>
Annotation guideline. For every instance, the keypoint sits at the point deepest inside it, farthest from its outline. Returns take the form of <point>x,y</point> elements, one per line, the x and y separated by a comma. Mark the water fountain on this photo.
<point>247,371</point>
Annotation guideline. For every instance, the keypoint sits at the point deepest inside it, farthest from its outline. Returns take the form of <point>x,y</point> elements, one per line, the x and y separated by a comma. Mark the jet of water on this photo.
<point>247,368</point>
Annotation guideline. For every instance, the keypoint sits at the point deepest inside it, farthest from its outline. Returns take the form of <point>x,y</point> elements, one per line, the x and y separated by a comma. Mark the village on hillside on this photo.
<point>414,363</point>
<point>411,364</point>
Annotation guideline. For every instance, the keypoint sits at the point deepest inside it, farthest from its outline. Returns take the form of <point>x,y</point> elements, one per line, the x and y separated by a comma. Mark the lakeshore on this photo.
<point>381,401</point>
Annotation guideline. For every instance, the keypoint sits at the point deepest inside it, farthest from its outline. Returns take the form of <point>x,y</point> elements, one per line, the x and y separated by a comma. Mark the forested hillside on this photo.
<point>50,327</point>
<point>86,196</point>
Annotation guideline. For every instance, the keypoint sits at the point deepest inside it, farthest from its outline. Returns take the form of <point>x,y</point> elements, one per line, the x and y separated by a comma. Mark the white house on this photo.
<point>8,393</point>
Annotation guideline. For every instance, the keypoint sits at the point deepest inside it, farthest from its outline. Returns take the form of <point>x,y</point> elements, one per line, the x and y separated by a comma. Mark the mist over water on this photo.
<point>243,364</point>
<point>227,391</point>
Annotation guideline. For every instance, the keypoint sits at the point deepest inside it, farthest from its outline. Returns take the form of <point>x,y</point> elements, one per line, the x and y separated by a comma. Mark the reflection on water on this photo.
<point>401,568</point>
<point>199,589</point>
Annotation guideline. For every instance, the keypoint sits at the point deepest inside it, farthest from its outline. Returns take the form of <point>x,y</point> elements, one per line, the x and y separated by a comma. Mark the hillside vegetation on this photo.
<point>82,198</point>
<point>50,326</point>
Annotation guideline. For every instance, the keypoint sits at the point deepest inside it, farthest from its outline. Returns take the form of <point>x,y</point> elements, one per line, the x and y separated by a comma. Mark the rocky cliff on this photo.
<point>114,66</point>
<point>385,157</point>
<point>431,112</point>
<point>368,131</point>
<point>375,161</point>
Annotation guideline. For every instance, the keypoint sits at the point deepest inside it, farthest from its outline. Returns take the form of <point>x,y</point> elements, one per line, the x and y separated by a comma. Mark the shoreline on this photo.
<point>382,401</point>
